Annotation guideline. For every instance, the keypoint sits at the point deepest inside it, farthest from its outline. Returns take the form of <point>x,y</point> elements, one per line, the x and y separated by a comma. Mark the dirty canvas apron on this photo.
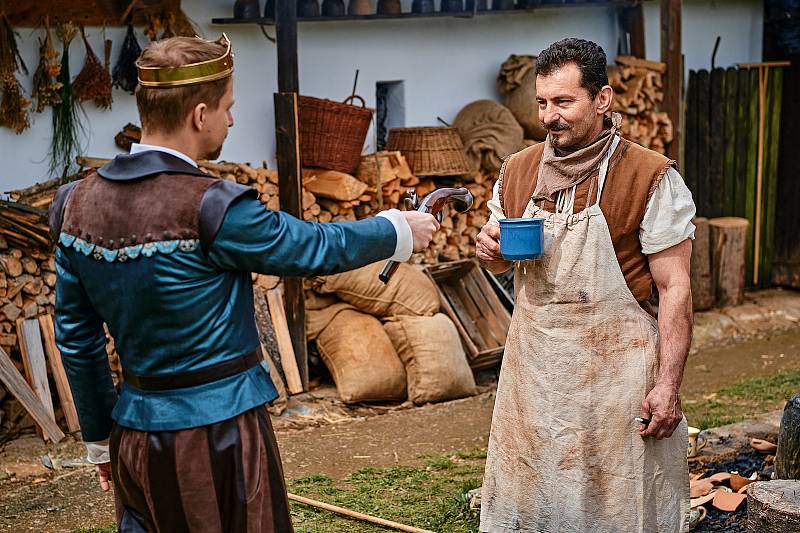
<point>565,453</point>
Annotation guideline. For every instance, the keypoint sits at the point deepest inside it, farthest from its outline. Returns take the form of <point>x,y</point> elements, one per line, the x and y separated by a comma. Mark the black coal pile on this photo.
<point>746,463</point>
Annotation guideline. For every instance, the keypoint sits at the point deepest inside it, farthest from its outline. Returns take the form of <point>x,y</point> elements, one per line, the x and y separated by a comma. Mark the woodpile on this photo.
<point>639,90</point>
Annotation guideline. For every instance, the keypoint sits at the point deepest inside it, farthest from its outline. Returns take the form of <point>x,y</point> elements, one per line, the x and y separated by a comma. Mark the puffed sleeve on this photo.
<point>668,217</point>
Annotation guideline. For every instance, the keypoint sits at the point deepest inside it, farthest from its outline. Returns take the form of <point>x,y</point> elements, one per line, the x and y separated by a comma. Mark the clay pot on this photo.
<point>269,9</point>
<point>470,5</point>
<point>246,9</point>
<point>307,8</point>
<point>452,6</point>
<point>389,7</point>
<point>360,7</point>
<point>422,6</point>
<point>333,8</point>
<point>502,5</point>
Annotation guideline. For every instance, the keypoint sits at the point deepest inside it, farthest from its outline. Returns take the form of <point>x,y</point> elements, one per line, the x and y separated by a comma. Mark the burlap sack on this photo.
<point>489,132</point>
<point>318,319</point>
<point>409,292</point>
<point>361,359</point>
<point>435,362</point>
<point>517,81</point>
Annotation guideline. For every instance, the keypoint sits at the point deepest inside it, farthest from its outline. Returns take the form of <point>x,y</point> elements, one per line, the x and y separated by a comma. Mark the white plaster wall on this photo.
<point>444,62</point>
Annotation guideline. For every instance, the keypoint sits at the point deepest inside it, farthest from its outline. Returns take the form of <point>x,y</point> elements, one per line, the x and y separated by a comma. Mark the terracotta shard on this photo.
<point>739,482</point>
<point>696,502</point>
<point>763,445</point>
<point>700,487</point>
<point>719,477</point>
<point>728,501</point>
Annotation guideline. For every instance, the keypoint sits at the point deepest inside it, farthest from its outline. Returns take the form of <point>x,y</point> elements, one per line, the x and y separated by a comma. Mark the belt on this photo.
<point>193,378</point>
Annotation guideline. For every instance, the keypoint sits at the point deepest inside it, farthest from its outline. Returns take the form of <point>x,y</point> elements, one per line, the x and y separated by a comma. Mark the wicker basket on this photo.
<point>430,151</point>
<point>332,134</point>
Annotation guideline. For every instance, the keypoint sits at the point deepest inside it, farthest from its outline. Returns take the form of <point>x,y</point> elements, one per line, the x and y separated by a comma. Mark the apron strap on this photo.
<point>601,178</point>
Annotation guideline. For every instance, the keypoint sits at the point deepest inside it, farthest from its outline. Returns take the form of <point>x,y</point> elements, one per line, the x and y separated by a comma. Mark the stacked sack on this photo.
<point>386,342</point>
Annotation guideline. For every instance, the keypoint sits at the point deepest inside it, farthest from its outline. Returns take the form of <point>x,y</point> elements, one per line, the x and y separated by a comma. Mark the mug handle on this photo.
<point>701,442</point>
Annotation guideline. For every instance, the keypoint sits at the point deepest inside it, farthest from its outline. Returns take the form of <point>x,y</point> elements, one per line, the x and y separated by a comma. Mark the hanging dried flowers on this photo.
<point>14,106</point>
<point>45,85</point>
<point>67,129</point>
<point>125,75</point>
<point>93,82</point>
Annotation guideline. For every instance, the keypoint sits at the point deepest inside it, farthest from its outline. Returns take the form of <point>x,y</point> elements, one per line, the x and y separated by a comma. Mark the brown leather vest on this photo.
<point>634,172</point>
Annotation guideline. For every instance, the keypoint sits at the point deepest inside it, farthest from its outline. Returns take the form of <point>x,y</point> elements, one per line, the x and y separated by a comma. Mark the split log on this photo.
<point>335,185</point>
<point>17,386</point>
<point>702,282</point>
<point>33,359</point>
<point>728,237</point>
<point>59,374</point>
<point>284,340</point>
<point>773,506</point>
<point>787,458</point>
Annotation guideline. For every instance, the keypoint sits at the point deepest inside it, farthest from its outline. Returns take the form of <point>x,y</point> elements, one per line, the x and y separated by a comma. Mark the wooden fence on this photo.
<point>723,152</point>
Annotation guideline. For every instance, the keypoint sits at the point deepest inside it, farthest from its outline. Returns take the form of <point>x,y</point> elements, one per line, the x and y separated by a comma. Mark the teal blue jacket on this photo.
<point>181,300</point>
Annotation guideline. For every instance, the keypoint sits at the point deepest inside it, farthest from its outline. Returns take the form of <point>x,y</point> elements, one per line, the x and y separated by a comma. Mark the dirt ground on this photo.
<point>44,500</point>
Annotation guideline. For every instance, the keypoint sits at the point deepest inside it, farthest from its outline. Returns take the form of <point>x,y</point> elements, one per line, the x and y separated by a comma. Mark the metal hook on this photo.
<point>264,31</point>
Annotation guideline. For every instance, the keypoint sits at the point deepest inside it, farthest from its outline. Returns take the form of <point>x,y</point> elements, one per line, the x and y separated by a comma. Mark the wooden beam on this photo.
<point>17,386</point>
<point>632,21</point>
<point>59,375</point>
<point>673,80</point>
<point>287,140</point>
<point>30,346</point>
<point>291,371</point>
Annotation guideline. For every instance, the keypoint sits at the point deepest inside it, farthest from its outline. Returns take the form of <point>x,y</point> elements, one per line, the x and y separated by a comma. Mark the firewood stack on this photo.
<point>638,89</point>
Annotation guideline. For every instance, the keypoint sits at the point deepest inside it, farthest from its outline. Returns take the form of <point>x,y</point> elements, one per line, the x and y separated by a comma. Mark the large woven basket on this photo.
<point>332,133</point>
<point>430,151</point>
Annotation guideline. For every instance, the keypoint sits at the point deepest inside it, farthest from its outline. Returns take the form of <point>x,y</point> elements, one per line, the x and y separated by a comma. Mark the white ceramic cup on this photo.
<point>696,442</point>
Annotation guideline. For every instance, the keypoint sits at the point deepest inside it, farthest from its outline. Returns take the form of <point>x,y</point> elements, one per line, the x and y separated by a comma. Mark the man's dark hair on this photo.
<point>589,56</point>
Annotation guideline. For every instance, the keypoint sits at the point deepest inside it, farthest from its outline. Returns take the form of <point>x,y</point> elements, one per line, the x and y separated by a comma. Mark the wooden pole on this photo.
<point>358,516</point>
<point>289,173</point>
<point>673,80</point>
<point>763,78</point>
<point>632,22</point>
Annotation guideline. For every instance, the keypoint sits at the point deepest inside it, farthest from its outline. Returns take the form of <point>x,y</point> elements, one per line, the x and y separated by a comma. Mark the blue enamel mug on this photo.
<point>521,238</point>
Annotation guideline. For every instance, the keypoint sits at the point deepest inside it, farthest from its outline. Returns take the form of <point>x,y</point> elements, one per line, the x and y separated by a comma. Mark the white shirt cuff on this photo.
<point>405,241</point>
<point>98,452</point>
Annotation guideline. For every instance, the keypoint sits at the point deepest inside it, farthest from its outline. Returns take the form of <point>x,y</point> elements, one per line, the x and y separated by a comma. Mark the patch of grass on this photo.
<point>472,455</point>
<point>428,497</point>
<point>745,399</point>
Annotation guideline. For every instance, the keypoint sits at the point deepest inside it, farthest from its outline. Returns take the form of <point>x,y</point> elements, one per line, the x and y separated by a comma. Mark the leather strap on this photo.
<point>194,378</point>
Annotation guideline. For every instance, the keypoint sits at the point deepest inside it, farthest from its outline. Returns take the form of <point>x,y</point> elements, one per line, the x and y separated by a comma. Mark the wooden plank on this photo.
<point>743,133</point>
<point>671,54</point>
<point>59,375</point>
<point>490,310</point>
<point>729,158</point>
<point>464,315</point>
<point>290,185</point>
<point>16,385</point>
<point>33,359</point>
<point>499,311</point>
<point>752,170</point>
<point>284,340</point>
<point>95,13</point>
<point>703,142</point>
<point>632,22</point>
<point>771,147</point>
<point>691,145</point>
<point>472,308</point>
<point>717,143</point>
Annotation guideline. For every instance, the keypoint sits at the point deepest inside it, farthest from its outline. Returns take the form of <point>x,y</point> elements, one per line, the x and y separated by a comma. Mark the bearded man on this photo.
<point>584,357</point>
<point>162,254</point>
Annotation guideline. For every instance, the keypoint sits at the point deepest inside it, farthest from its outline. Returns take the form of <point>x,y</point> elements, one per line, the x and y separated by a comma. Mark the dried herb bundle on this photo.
<point>93,81</point>
<point>67,129</point>
<point>14,106</point>
<point>10,60</point>
<point>177,24</point>
<point>45,85</point>
<point>125,75</point>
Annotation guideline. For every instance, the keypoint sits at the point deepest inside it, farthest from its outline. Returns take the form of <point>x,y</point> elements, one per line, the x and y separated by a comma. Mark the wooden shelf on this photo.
<point>436,14</point>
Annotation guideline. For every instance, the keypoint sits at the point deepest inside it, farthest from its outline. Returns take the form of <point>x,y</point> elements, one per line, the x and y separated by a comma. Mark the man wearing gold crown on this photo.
<point>162,253</point>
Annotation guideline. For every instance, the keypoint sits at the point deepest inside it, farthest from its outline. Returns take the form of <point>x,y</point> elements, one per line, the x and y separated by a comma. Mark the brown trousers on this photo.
<point>221,478</point>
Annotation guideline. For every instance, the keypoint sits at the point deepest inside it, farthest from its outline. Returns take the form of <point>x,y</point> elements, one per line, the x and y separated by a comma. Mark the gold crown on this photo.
<point>194,73</point>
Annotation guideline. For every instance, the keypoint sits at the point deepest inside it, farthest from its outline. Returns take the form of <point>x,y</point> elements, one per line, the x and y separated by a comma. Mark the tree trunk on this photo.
<point>728,237</point>
<point>787,459</point>
<point>773,506</point>
<point>702,283</point>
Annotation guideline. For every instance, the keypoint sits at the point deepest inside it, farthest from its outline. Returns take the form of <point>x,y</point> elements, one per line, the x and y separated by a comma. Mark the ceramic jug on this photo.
<point>360,7</point>
<point>307,8</point>
<point>501,5</point>
<point>269,9</point>
<point>422,6</point>
<point>470,5</point>
<point>389,7</point>
<point>333,8</point>
<point>246,9</point>
<point>452,6</point>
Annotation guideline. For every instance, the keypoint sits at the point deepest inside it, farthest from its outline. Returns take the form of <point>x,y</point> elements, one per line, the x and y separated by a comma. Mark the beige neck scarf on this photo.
<point>561,172</point>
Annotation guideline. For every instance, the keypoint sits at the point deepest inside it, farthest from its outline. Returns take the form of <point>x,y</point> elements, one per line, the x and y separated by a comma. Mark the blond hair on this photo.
<point>164,109</point>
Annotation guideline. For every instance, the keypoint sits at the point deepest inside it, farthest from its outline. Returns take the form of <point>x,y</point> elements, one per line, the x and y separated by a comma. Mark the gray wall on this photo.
<point>445,64</point>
